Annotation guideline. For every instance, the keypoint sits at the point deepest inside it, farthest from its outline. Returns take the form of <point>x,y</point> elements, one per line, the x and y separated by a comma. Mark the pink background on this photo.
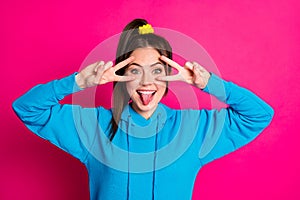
<point>254,43</point>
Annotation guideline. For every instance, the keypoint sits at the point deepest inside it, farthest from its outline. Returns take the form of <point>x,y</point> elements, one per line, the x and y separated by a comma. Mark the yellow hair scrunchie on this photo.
<point>146,29</point>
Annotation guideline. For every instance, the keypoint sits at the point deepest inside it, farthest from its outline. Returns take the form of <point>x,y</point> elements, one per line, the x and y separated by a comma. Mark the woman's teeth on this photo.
<point>146,91</point>
<point>146,95</point>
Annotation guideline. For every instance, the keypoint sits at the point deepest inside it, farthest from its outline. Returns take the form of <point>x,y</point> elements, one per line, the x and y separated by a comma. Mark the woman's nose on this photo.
<point>147,79</point>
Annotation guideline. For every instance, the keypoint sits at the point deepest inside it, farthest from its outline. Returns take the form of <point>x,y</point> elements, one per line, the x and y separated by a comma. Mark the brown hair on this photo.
<point>130,40</point>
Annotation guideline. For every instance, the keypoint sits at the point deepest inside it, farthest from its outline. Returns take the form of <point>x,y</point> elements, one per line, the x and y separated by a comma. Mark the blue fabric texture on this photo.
<point>156,158</point>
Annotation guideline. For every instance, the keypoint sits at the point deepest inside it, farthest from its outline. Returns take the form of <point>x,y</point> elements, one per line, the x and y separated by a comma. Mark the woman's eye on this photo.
<point>134,71</point>
<point>157,71</point>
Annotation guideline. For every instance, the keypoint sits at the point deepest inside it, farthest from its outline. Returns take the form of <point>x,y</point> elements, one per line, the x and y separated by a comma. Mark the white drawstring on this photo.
<point>128,153</point>
<point>154,160</point>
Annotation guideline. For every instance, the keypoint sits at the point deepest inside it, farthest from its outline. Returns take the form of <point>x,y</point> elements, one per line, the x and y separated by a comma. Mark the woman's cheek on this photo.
<point>131,86</point>
<point>136,81</point>
<point>160,83</point>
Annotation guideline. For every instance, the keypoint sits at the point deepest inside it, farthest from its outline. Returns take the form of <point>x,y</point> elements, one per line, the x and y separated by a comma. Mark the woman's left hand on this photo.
<point>191,73</point>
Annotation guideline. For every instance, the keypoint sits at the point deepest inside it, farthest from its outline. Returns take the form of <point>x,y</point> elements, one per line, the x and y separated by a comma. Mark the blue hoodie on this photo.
<point>158,158</point>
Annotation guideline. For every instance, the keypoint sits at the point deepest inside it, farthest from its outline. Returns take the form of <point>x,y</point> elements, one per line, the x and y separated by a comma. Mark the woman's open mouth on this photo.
<point>146,95</point>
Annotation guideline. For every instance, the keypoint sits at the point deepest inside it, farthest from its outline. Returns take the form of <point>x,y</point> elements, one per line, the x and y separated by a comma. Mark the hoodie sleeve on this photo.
<point>225,130</point>
<point>39,109</point>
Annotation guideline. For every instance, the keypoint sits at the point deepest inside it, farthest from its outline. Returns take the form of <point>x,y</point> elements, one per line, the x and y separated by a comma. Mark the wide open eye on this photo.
<point>135,71</point>
<point>157,71</point>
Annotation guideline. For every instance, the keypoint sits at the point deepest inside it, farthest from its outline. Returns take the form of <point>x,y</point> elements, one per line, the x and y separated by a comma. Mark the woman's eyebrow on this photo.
<point>135,64</point>
<point>157,63</point>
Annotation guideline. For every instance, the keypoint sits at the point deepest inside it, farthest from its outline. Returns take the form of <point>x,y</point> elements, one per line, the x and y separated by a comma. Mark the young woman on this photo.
<point>140,148</point>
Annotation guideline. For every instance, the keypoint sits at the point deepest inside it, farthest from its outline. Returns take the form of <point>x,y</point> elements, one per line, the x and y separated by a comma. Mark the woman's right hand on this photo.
<point>100,73</point>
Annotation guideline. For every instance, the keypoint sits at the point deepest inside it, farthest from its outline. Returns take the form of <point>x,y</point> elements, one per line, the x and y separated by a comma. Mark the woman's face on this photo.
<point>145,91</point>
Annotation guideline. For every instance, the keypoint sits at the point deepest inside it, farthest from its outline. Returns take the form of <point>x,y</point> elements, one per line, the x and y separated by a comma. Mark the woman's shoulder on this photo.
<point>187,113</point>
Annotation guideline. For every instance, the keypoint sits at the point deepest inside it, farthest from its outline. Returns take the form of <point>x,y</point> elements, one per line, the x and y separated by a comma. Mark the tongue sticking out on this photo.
<point>146,98</point>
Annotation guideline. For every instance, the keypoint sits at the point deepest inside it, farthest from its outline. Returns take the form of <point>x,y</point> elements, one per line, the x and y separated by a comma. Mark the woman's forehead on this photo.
<point>145,56</point>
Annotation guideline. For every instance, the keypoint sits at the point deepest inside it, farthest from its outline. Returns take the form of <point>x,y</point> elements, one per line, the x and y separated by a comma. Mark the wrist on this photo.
<point>80,81</point>
<point>205,81</point>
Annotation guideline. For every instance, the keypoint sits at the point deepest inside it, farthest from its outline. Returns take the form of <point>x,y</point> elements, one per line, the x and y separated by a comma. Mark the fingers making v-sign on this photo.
<point>191,73</point>
<point>100,73</point>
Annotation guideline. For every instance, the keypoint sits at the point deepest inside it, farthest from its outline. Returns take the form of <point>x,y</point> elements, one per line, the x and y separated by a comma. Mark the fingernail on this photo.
<point>110,63</point>
<point>189,64</point>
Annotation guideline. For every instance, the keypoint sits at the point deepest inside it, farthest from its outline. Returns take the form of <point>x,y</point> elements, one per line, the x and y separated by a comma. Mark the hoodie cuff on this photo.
<point>213,84</point>
<point>66,86</point>
<point>217,87</point>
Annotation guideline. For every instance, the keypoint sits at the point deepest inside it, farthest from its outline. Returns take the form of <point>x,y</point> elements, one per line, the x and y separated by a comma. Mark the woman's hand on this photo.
<point>100,73</point>
<point>191,73</point>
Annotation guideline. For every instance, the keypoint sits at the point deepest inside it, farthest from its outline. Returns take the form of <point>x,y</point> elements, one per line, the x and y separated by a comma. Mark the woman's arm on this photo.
<point>235,126</point>
<point>40,111</point>
<point>65,125</point>
<point>222,131</point>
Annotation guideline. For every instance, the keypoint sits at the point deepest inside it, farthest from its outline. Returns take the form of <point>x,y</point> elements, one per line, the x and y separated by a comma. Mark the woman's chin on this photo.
<point>144,109</point>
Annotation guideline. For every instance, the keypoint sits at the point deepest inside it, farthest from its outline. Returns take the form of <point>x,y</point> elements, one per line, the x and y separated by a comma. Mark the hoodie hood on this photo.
<point>141,127</point>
